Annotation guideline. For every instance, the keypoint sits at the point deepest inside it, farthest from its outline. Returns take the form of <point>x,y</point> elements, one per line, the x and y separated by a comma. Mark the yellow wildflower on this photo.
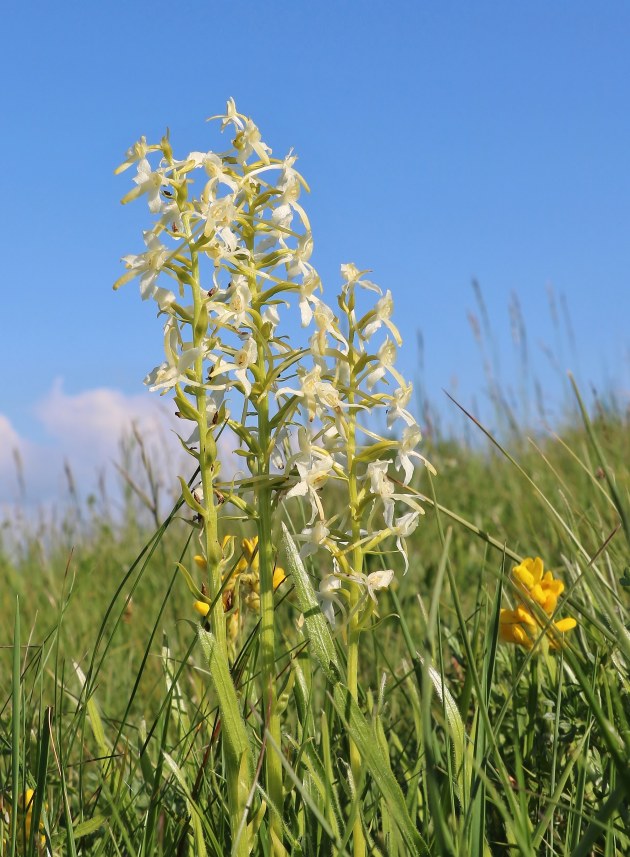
<point>246,573</point>
<point>541,588</point>
<point>520,626</point>
<point>26,803</point>
<point>279,576</point>
<point>201,607</point>
<point>249,559</point>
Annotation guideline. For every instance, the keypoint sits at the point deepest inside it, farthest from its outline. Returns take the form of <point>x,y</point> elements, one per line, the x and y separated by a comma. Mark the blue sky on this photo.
<point>442,142</point>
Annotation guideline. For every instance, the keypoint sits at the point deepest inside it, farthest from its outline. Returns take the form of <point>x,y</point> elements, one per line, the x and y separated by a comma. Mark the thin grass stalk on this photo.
<point>15,729</point>
<point>592,436</point>
<point>42,769</point>
<point>518,821</point>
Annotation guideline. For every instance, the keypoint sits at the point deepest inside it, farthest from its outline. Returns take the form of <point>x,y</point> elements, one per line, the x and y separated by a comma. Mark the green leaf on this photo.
<point>232,723</point>
<point>317,627</point>
<point>173,690</point>
<point>94,718</point>
<point>185,406</point>
<point>377,763</point>
<point>375,450</point>
<point>89,826</point>
<point>190,583</point>
<point>455,723</point>
<point>190,500</point>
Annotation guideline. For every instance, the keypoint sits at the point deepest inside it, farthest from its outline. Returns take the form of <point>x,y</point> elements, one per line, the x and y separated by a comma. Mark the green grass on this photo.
<point>469,746</point>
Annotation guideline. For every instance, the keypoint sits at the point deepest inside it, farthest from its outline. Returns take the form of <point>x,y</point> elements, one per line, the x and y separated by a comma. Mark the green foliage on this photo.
<point>119,734</point>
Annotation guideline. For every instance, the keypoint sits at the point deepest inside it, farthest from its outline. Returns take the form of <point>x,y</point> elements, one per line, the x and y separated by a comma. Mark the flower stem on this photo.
<point>354,631</point>
<point>207,459</point>
<point>356,764</point>
<point>268,668</point>
<point>234,730</point>
<point>267,631</point>
<point>266,560</point>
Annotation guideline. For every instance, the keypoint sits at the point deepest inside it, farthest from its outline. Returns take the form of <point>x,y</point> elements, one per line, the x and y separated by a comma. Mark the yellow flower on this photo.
<point>246,573</point>
<point>25,806</point>
<point>250,558</point>
<point>201,607</point>
<point>541,588</point>
<point>279,577</point>
<point>520,626</point>
<point>28,803</point>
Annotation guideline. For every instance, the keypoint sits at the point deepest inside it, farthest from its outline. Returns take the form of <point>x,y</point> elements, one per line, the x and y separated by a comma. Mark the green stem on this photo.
<point>266,561</point>
<point>356,762</point>
<point>207,458</point>
<point>354,631</point>
<point>273,762</point>
<point>239,772</point>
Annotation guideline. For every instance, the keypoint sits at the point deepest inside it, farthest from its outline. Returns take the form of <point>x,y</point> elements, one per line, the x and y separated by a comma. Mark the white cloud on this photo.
<point>13,451</point>
<point>85,430</point>
<point>92,413</point>
<point>84,435</point>
<point>94,421</point>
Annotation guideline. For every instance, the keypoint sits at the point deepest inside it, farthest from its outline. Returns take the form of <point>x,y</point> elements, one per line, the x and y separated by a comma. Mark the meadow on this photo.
<point>210,677</point>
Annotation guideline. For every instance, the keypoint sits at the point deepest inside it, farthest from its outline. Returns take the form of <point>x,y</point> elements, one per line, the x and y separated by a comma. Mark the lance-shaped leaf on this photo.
<point>377,763</point>
<point>317,627</point>
<point>232,723</point>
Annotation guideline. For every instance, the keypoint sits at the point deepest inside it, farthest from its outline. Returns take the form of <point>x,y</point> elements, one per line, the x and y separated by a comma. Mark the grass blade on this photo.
<point>378,765</point>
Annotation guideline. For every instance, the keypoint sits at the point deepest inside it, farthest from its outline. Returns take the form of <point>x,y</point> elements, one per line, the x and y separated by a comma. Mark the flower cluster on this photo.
<point>241,583</point>
<point>539,587</point>
<point>242,249</point>
<point>321,424</point>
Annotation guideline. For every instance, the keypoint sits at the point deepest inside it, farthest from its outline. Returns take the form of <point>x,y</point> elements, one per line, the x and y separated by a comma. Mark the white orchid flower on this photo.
<point>352,276</point>
<point>310,282</point>
<point>385,359</point>
<point>289,183</point>
<point>213,165</point>
<point>411,437</point>
<point>327,597</point>
<point>173,371</point>
<point>382,487</point>
<point>271,316</point>
<point>381,314</point>
<point>300,256</point>
<point>398,406</point>
<point>404,526</point>
<point>315,392</point>
<point>372,582</point>
<point>313,538</point>
<point>150,182</point>
<point>236,310</point>
<point>180,358</point>
<point>243,359</point>
<point>327,323</point>
<point>219,214</point>
<point>148,264</point>
<point>249,140</point>
<point>313,475</point>
<point>231,116</point>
